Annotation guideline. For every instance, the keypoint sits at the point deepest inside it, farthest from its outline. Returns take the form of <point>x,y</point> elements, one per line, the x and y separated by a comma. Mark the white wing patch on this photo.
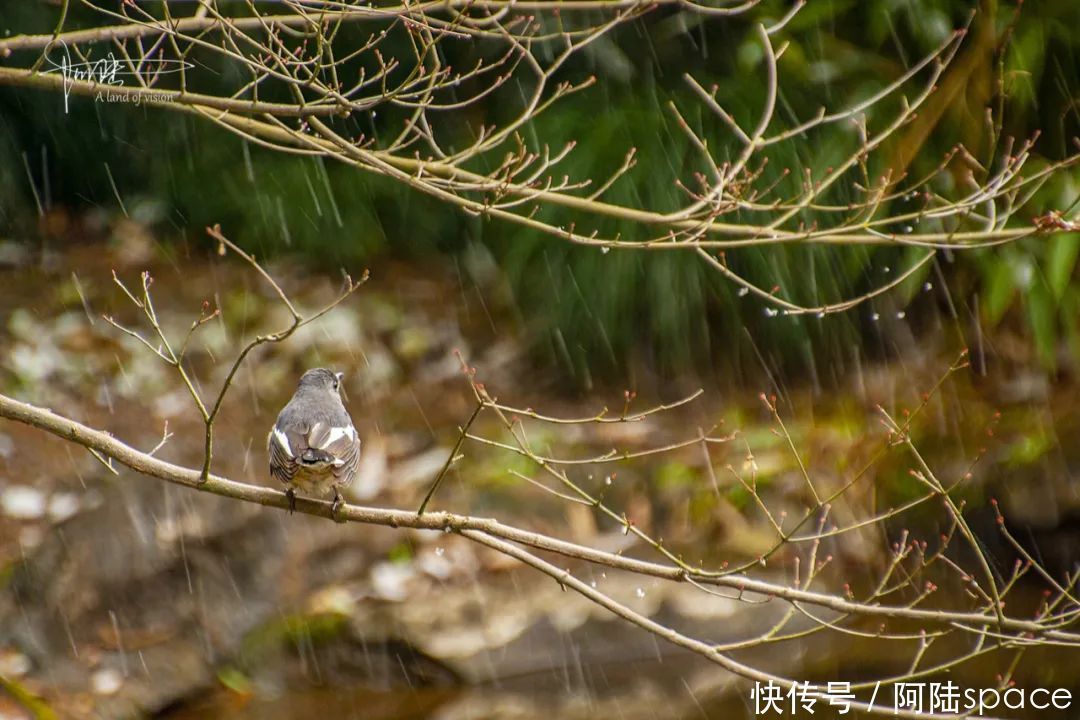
<point>283,441</point>
<point>335,434</point>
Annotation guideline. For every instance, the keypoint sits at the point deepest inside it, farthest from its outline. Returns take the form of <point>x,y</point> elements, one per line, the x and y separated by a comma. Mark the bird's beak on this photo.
<point>341,385</point>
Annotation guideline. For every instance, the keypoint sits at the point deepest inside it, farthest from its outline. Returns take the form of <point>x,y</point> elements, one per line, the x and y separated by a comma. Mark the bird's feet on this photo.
<point>291,494</point>
<point>338,503</point>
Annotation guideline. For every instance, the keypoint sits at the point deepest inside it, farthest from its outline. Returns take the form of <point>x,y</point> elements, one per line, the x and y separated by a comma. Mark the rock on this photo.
<point>14,254</point>
<point>22,502</point>
<point>62,506</point>
<point>390,581</point>
<point>106,681</point>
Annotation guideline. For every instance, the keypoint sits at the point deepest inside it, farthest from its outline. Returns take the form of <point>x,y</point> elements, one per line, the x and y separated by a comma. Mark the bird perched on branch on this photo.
<point>313,445</point>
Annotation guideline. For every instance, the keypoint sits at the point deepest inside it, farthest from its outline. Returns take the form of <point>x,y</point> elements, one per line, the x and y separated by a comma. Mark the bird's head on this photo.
<point>321,380</point>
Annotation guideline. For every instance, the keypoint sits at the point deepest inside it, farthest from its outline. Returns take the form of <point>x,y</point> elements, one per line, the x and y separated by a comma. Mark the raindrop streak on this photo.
<point>45,184</point>
<point>70,635</point>
<point>640,592</point>
<point>248,168</point>
<point>439,551</point>
<point>33,187</point>
<point>116,192</point>
<point>82,297</point>
<point>329,192</point>
<point>284,224</point>
<point>423,415</point>
<point>119,643</point>
<point>314,197</point>
<point>106,398</point>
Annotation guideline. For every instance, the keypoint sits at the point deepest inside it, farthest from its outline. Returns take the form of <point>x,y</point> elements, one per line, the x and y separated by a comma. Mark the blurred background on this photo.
<point>122,597</point>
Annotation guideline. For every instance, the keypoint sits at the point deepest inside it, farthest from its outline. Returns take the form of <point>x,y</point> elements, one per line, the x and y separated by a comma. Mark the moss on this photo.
<point>674,475</point>
<point>292,630</point>
<point>7,573</point>
<point>235,680</point>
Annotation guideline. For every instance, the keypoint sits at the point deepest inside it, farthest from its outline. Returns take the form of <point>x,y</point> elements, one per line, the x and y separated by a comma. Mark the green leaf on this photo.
<point>400,554</point>
<point>1069,312</point>
<point>1029,448</point>
<point>1000,289</point>
<point>1042,315</point>
<point>235,680</point>
<point>25,697</point>
<point>1061,262</point>
<point>914,283</point>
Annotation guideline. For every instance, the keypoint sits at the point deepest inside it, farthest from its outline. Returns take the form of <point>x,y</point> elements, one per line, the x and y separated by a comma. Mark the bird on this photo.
<point>314,446</point>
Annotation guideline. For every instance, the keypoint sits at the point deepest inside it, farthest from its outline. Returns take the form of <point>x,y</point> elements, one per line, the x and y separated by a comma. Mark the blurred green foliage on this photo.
<point>599,315</point>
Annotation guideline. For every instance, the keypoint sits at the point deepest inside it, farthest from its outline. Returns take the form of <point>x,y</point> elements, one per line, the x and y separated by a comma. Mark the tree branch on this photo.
<point>146,464</point>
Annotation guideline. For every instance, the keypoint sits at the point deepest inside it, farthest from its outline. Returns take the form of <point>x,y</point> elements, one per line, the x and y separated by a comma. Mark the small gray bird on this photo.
<point>313,446</point>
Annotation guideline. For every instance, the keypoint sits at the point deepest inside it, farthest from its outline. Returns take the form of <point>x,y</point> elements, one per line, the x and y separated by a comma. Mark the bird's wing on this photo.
<point>342,446</point>
<point>349,452</point>
<point>283,448</point>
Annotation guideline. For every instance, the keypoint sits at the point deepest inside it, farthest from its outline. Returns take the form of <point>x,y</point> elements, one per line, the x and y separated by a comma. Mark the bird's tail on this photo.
<point>315,456</point>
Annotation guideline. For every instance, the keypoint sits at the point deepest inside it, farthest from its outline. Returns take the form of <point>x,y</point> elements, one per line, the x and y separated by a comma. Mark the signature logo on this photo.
<point>110,72</point>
